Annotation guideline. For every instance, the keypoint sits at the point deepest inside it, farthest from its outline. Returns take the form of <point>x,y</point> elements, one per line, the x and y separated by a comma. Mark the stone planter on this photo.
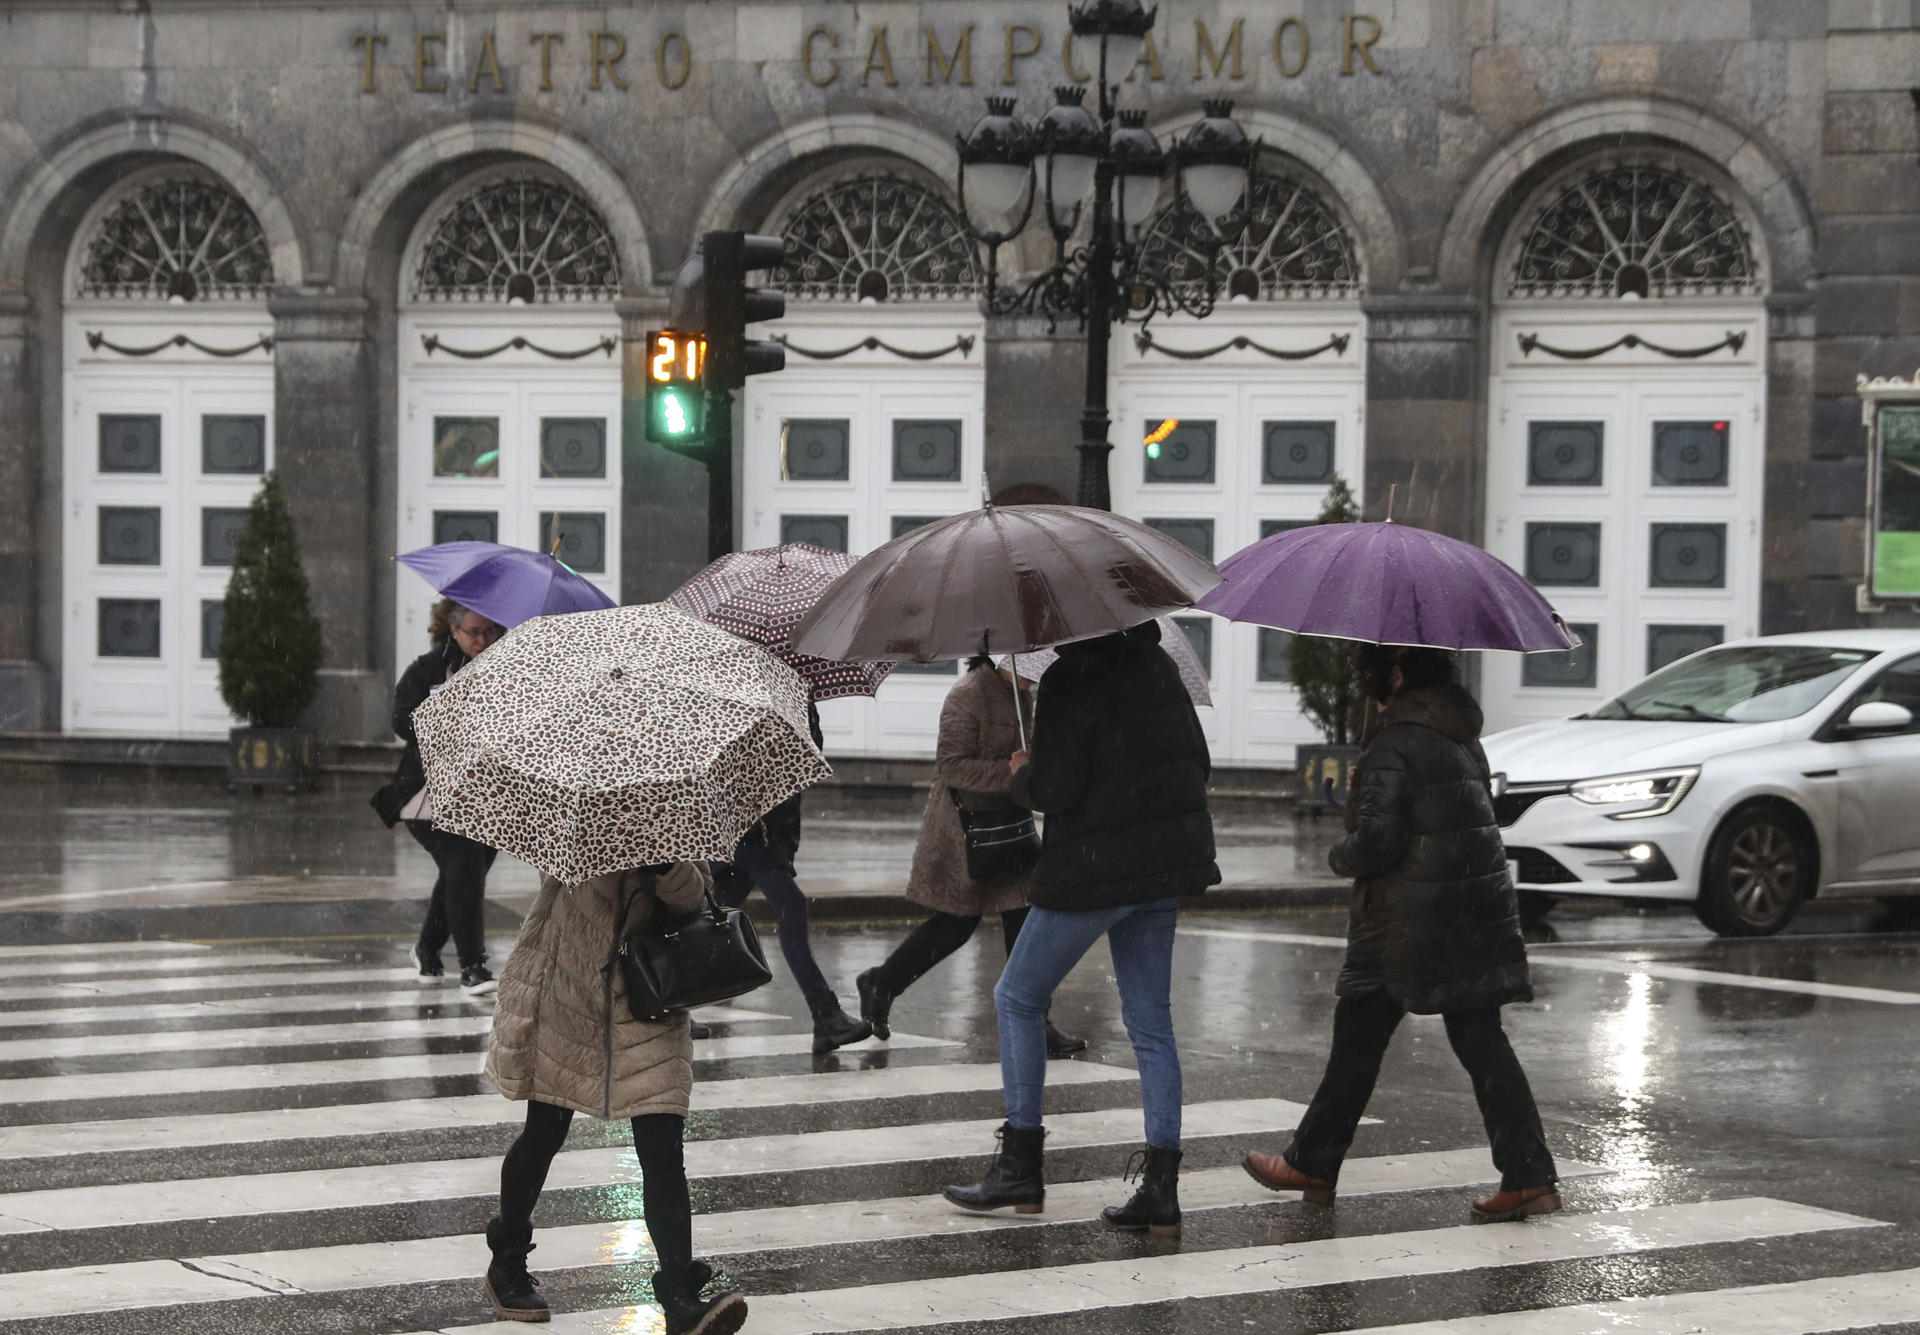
<point>1322,772</point>
<point>261,758</point>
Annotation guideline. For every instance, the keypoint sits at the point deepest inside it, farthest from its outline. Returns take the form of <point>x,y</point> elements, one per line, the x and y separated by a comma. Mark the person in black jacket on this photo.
<point>457,903</point>
<point>1119,767</point>
<point>1434,929</point>
<point>763,861</point>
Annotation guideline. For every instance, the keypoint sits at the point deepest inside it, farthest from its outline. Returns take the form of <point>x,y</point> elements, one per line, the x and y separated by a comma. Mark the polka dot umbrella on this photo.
<point>761,596</point>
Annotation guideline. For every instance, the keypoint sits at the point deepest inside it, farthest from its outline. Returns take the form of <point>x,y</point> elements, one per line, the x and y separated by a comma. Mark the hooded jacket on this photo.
<point>1434,921</point>
<point>1119,767</point>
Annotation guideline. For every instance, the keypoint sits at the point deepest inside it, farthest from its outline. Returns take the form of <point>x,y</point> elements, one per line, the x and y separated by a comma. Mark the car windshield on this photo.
<point>1747,683</point>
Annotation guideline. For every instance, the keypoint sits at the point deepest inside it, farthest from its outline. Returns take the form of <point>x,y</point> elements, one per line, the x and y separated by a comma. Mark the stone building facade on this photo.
<point>1588,283</point>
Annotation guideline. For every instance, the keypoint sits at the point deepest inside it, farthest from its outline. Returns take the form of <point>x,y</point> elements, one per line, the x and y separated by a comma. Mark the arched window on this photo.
<point>519,238</point>
<point>878,238</point>
<point>181,236</point>
<point>1634,229</point>
<point>1293,245</point>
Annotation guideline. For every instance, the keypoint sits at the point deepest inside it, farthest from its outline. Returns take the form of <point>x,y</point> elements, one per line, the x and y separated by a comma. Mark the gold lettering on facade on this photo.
<point>806,56</point>
<point>1019,52</point>
<point>962,56</point>
<point>372,41</point>
<point>1150,57</point>
<point>1354,42</point>
<point>546,41</point>
<point>1066,61</point>
<point>1280,47</point>
<point>1203,50</point>
<point>685,66</point>
<point>488,64</point>
<point>609,49</point>
<point>423,60</point>
<point>879,58</point>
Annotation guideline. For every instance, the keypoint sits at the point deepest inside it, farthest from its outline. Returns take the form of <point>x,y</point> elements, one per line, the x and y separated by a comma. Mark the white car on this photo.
<point>1742,779</point>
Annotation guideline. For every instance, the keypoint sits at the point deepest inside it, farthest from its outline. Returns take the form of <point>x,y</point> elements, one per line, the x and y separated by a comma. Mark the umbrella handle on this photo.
<point>1018,717</point>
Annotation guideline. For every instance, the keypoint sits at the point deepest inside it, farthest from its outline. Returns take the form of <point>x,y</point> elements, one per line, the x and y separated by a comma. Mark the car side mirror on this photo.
<point>1879,716</point>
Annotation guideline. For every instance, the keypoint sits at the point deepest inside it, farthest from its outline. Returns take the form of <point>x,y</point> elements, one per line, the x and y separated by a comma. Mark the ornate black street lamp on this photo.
<point>1007,167</point>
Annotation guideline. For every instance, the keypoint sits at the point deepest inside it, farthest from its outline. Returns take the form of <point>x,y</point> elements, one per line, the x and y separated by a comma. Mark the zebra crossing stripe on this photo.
<point>1802,1307</point>
<point>448,1179</point>
<point>78,989</point>
<point>137,1134</point>
<point>214,1040</point>
<point>1106,1285</point>
<point>101,949</point>
<point>184,964</point>
<point>148,1083</point>
<point>352,1266</point>
<point>307,1003</point>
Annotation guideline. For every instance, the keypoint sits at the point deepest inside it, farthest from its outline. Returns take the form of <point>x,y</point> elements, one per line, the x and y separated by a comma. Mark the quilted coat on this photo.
<point>1434,920</point>
<point>562,1032</point>
<point>978,734</point>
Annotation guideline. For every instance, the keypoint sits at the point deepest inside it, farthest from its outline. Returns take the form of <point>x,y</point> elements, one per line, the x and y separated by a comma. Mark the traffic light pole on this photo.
<point>719,461</point>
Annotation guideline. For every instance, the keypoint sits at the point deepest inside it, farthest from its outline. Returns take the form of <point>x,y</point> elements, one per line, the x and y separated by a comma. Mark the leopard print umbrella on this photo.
<point>761,596</point>
<point>597,741</point>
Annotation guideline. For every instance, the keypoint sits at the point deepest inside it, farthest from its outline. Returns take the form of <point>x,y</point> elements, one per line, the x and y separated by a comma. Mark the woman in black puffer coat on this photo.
<point>1434,930</point>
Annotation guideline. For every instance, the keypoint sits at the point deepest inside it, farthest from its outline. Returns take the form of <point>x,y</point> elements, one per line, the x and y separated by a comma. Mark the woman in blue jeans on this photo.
<point>1119,766</point>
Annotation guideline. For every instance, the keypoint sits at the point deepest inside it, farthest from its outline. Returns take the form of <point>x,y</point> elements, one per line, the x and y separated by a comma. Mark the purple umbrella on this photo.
<point>506,584</point>
<point>1390,584</point>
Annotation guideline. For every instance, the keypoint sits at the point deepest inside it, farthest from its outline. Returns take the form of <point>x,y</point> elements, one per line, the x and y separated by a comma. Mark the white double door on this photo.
<point>161,463</point>
<point>527,456</point>
<point>1252,452</point>
<point>847,458</point>
<point>1633,501</point>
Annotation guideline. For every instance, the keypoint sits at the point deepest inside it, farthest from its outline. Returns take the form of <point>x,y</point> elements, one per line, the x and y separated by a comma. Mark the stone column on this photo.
<point>1796,544</point>
<point>663,495</point>
<point>325,452</point>
<point>27,692</point>
<point>1035,385</point>
<point>1426,412</point>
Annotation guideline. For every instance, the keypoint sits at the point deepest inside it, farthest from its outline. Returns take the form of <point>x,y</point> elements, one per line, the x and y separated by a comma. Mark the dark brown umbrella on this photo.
<point>1006,579</point>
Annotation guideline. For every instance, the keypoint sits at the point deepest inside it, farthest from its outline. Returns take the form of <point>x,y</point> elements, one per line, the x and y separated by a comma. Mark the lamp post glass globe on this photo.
<point>1122,53</point>
<point>1214,187</point>
<point>994,191</point>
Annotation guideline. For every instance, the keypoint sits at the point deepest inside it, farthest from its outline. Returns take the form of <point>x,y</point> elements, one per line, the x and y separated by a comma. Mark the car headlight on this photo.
<point>1636,796</point>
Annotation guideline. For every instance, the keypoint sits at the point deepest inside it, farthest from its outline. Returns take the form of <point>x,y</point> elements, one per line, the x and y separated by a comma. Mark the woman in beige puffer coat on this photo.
<point>565,1041</point>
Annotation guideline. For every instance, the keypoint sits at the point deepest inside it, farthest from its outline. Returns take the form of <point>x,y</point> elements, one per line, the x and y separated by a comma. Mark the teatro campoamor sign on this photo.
<point>1890,408</point>
<point>880,55</point>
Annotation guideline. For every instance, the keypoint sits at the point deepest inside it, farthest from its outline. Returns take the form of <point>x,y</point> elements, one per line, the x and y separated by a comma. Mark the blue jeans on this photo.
<point>1051,943</point>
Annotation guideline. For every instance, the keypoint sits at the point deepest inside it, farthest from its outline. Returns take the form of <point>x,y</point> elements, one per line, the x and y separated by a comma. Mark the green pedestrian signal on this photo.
<point>676,399</point>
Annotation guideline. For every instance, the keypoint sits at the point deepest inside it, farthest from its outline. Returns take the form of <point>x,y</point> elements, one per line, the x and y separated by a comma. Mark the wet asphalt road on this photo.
<point>210,1140</point>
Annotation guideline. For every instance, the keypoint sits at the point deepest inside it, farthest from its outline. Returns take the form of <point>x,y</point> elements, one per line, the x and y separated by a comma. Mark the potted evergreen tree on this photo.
<point>269,649</point>
<point>1326,674</point>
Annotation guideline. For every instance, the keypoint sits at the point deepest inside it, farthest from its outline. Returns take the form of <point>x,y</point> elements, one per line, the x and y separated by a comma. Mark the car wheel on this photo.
<point>1758,870</point>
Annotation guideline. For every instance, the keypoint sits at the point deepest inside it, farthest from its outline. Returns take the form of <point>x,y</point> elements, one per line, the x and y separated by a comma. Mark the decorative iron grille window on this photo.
<point>519,239</point>
<point>1635,229</point>
<point>1293,245</point>
<point>180,236</point>
<point>878,238</point>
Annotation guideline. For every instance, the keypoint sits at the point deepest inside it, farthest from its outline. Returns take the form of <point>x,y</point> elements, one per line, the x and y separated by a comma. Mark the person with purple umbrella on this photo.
<point>456,907</point>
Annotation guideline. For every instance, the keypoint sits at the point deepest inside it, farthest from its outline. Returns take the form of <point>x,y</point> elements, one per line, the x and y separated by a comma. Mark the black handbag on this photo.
<point>1001,841</point>
<point>674,962</point>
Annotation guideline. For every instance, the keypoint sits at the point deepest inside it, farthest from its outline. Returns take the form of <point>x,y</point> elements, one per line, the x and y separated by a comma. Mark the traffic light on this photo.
<point>676,403</point>
<point>731,306</point>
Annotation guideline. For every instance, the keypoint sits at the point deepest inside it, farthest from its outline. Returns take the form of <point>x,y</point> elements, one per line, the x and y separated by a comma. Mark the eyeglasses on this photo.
<point>485,634</point>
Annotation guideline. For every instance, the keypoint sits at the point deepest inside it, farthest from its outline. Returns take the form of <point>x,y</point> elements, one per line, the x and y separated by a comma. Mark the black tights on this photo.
<point>663,1177</point>
<point>934,940</point>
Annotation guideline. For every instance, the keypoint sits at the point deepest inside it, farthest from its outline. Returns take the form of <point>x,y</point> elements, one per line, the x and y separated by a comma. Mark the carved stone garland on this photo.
<point>1292,247</point>
<point>522,238</point>
<point>181,236</point>
<point>878,238</point>
<point>1635,228</point>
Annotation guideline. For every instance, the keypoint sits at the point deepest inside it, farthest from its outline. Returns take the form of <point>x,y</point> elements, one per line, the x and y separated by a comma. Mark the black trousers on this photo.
<point>457,904</point>
<point>770,871</point>
<point>663,1177</point>
<point>934,940</point>
<point>1362,1027</point>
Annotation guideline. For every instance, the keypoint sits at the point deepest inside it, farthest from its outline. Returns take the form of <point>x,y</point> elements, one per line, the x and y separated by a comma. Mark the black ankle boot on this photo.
<point>1156,1205</point>
<point>688,1313</point>
<point>833,1027</point>
<point>514,1293</point>
<point>875,1002</point>
<point>1015,1177</point>
<point>1063,1045</point>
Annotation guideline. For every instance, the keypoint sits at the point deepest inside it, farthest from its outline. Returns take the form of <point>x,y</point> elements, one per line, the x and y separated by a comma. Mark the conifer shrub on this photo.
<point>269,637</point>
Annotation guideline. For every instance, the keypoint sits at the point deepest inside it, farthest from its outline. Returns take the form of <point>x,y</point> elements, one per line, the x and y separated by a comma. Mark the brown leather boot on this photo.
<point>1275,1173</point>
<point>1505,1206</point>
